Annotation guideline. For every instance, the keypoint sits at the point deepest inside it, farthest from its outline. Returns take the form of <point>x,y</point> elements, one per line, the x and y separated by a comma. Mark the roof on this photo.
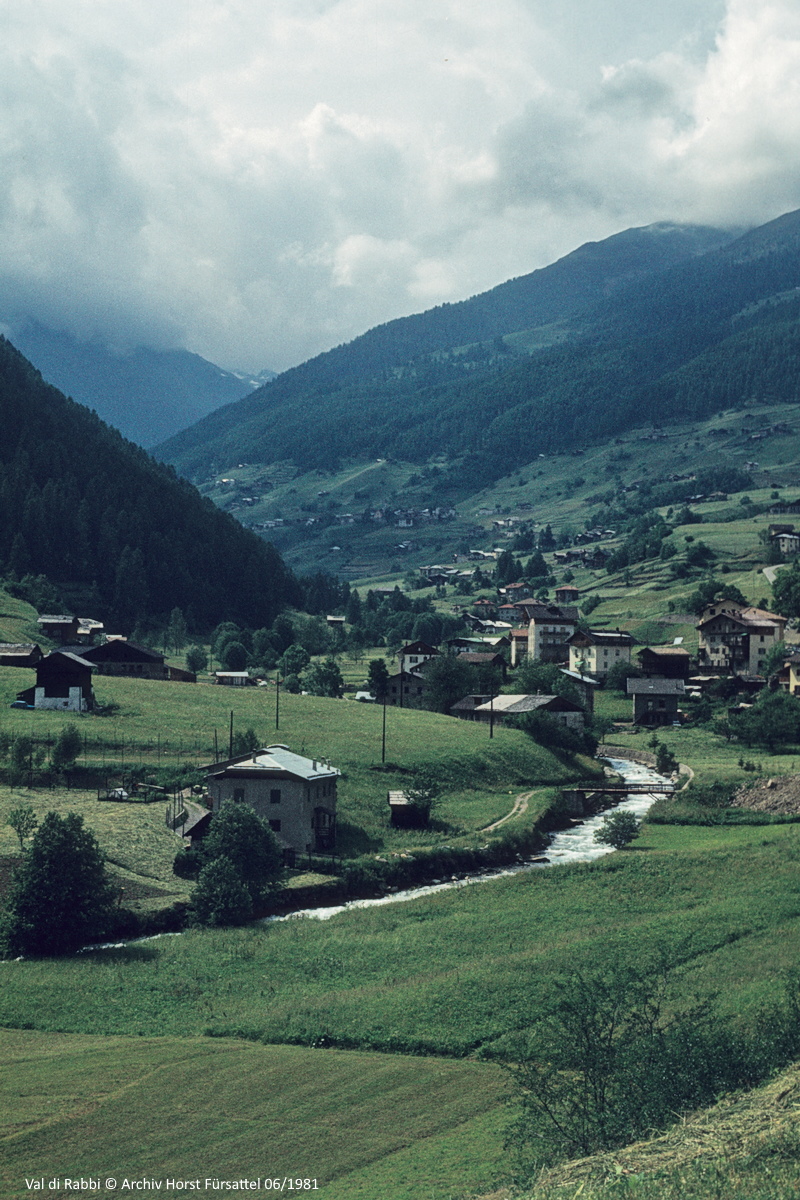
<point>664,650</point>
<point>656,686</point>
<point>274,760</point>
<point>74,658</point>
<point>581,678</point>
<point>18,647</point>
<point>548,612</point>
<point>418,648</point>
<point>57,619</point>
<point>608,637</point>
<point>521,704</point>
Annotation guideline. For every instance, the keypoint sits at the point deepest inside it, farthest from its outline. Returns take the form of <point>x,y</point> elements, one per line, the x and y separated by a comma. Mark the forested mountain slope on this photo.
<point>118,533</point>
<point>398,374</point>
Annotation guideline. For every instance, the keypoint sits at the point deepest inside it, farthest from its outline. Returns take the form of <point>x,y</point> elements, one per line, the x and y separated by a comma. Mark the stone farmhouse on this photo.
<point>294,794</point>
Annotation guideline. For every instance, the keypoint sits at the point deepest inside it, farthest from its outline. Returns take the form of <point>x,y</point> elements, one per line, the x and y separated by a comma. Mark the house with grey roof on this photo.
<point>294,794</point>
<point>498,708</point>
<point>655,700</point>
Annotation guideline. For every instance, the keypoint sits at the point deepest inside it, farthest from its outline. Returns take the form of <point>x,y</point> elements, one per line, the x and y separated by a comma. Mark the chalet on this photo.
<point>485,659</point>
<point>734,640</point>
<point>666,662</point>
<point>595,651</point>
<point>464,709</point>
<point>335,622</point>
<point>498,708</point>
<point>550,627</point>
<point>234,678</point>
<point>566,594</point>
<point>59,628</point>
<point>295,795</point>
<point>19,654</point>
<point>515,591</point>
<point>89,630</point>
<point>63,682</point>
<point>411,657</point>
<point>655,701</point>
<point>118,656</point>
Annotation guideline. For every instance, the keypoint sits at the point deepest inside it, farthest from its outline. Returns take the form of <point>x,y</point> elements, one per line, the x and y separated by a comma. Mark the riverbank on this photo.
<point>406,875</point>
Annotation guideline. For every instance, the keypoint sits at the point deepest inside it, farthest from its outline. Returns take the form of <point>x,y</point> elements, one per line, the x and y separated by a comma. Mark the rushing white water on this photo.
<point>571,845</point>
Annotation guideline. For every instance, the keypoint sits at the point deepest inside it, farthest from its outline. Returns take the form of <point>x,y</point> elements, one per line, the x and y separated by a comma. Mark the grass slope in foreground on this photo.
<point>189,1108</point>
<point>744,1148</point>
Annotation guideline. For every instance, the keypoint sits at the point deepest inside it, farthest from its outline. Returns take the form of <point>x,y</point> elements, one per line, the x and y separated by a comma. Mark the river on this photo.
<point>568,846</point>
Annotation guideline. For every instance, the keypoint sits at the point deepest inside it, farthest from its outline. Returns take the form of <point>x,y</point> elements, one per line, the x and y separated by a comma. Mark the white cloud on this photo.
<point>258,182</point>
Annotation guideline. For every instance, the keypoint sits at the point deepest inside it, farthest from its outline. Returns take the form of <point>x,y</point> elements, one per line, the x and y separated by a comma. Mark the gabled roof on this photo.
<point>536,611</point>
<point>603,637</point>
<point>521,704</point>
<point>50,660</point>
<point>663,651</point>
<point>655,686</point>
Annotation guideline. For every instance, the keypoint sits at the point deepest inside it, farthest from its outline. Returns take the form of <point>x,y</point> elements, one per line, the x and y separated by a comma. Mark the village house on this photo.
<point>519,646</point>
<point>465,707</point>
<point>655,701</point>
<point>63,683</point>
<point>734,640</point>
<point>411,656</point>
<point>585,686</point>
<point>667,662</point>
<point>550,627</point>
<point>405,689</point>
<point>496,709</point>
<point>788,542</point>
<point>567,594</point>
<point>59,627</point>
<point>19,654</point>
<point>595,651</point>
<point>295,795</point>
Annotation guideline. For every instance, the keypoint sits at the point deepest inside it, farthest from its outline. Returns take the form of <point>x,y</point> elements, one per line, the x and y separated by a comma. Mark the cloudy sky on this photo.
<point>258,180</point>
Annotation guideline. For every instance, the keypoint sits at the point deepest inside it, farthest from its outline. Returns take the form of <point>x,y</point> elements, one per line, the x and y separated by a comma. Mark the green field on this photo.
<point>188,1108</point>
<point>155,724</point>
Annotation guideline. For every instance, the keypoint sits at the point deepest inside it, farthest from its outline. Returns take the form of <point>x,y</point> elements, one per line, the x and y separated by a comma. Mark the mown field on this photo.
<point>336,1007</point>
<point>189,1108</point>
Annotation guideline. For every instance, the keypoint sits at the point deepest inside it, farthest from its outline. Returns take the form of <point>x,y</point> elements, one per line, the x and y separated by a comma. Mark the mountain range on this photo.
<point>668,321</point>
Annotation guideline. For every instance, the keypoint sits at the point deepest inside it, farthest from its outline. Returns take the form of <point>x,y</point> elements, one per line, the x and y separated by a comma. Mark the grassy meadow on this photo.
<point>189,1108</point>
<point>155,724</point>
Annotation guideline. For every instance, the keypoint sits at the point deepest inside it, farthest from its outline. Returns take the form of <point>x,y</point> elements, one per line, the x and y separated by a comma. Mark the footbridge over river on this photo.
<point>593,798</point>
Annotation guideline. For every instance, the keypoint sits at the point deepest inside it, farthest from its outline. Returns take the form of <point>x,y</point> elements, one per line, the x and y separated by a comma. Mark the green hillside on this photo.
<point>115,532</point>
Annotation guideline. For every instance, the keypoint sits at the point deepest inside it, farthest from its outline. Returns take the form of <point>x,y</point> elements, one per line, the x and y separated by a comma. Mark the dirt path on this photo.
<point>520,806</point>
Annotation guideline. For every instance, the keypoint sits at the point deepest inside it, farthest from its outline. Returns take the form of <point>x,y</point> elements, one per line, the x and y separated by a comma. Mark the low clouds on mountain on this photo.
<point>259,182</point>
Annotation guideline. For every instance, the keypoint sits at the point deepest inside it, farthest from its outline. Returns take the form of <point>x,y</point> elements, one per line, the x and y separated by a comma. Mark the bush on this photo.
<point>67,748</point>
<point>239,835</point>
<point>611,1057</point>
<point>221,898</point>
<point>60,898</point>
<point>618,829</point>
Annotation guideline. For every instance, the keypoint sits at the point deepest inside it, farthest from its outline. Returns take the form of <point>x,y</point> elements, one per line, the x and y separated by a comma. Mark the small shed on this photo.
<point>665,662</point>
<point>234,678</point>
<point>403,813</point>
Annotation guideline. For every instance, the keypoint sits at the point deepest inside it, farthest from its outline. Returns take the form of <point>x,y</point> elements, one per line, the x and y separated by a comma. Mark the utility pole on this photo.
<point>230,738</point>
<point>383,736</point>
<point>277,700</point>
<point>491,715</point>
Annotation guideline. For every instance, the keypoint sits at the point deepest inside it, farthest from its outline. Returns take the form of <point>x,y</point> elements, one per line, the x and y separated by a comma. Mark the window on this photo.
<point>275,826</point>
<point>238,795</point>
<point>275,796</point>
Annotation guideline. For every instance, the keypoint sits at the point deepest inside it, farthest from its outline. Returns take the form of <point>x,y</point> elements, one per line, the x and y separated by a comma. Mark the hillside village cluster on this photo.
<point>297,795</point>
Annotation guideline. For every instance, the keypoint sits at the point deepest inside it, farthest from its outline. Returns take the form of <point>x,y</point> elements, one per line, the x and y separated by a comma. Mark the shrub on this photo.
<point>221,898</point>
<point>618,829</point>
<point>60,897</point>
